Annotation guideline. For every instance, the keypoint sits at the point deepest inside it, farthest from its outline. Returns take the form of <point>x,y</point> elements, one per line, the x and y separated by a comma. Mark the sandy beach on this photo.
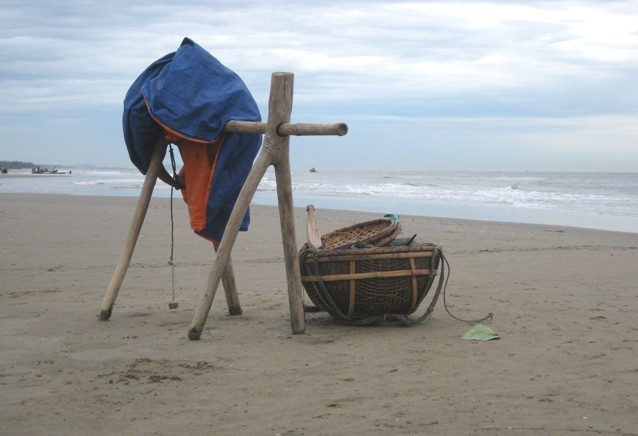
<point>564,303</point>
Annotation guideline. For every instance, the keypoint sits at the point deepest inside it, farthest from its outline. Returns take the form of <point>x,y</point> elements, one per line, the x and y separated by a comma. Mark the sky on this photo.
<point>543,85</point>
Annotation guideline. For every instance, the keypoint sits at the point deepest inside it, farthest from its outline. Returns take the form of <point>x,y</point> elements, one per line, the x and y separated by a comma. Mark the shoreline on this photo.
<point>563,300</point>
<point>429,209</point>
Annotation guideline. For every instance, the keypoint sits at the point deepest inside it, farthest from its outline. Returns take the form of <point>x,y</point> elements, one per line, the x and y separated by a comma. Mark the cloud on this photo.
<point>352,59</point>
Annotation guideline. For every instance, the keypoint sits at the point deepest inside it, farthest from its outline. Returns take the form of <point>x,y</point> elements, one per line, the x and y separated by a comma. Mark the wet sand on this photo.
<point>564,303</point>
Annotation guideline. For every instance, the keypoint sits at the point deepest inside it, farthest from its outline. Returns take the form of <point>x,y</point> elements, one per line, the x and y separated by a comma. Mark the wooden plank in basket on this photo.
<point>343,257</point>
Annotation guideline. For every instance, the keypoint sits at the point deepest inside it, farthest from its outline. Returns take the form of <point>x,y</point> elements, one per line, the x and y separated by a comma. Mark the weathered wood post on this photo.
<point>275,151</point>
<point>134,231</point>
<point>279,110</point>
<point>230,289</point>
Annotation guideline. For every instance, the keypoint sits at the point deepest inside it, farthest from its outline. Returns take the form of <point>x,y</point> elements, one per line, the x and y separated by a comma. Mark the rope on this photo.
<point>173,165</point>
<point>470,321</point>
<point>172,248</point>
<point>325,294</point>
<point>171,262</point>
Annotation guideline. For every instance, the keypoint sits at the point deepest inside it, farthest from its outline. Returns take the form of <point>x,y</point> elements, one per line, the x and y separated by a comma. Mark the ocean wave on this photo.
<point>112,182</point>
<point>586,193</point>
<point>101,173</point>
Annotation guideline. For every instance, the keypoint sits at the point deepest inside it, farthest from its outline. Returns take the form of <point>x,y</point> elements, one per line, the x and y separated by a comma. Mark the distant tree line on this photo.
<point>15,164</point>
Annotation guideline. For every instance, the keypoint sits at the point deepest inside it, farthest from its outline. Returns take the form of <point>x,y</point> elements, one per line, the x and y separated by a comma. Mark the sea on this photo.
<point>605,201</point>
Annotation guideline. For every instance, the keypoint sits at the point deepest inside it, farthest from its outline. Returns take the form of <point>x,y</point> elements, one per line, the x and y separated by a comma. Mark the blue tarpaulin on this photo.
<point>190,96</point>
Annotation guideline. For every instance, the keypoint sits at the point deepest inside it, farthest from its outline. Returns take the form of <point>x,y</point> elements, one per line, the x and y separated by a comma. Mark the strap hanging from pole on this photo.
<point>177,183</point>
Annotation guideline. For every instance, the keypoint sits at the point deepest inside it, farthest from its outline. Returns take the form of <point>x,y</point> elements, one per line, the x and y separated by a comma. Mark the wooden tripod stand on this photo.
<point>275,151</point>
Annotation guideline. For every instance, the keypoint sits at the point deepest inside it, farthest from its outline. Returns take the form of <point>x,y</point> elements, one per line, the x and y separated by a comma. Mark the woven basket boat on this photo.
<point>367,286</point>
<point>370,233</point>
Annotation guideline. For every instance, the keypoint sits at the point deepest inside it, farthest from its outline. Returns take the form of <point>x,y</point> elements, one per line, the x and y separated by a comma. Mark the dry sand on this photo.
<point>564,299</point>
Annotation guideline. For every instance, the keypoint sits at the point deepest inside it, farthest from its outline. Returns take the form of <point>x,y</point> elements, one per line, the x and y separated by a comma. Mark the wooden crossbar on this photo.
<point>288,129</point>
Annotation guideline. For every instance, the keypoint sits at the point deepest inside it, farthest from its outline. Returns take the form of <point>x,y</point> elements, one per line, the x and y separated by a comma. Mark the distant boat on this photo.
<point>313,170</point>
<point>38,170</point>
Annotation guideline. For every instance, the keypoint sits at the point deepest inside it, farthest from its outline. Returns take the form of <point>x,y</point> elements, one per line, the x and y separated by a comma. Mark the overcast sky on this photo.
<point>432,85</point>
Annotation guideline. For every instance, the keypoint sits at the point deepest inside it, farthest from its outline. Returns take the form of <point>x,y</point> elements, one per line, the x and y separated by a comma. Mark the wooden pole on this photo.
<point>230,288</point>
<point>228,240</point>
<point>279,110</point>
<point>287,221</point>
<point>134,231</point>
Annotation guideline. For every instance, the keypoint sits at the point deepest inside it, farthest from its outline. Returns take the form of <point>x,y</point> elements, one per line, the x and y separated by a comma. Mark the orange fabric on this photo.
<point>196,175</point>
<point>200,161</point>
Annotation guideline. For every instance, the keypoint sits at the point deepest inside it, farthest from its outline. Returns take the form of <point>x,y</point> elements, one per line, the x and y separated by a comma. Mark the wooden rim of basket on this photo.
<point>398,252</point>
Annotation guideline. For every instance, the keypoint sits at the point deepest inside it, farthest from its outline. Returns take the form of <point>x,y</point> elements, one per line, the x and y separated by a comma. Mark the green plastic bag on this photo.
<point>480,333</point>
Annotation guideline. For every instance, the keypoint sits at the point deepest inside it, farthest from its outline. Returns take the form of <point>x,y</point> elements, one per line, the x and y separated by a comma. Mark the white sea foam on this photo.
<point>112,182</point>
